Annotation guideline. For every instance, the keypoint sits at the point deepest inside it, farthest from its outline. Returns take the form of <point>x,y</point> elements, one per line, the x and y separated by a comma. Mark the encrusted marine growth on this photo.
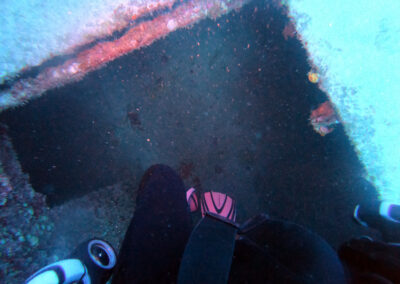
<point>137,36</point>
<point>24,220</point>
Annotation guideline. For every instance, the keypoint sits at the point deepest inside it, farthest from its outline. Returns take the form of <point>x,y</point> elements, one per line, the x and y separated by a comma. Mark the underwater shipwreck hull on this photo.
<point>354,46</point>
<point>171,17</point>
<point>33,31</point>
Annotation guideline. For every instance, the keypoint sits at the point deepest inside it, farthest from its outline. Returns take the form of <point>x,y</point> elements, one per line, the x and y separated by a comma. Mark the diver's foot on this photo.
<point>212,202</point>
<point>220,204</point>
<point>192,199</point>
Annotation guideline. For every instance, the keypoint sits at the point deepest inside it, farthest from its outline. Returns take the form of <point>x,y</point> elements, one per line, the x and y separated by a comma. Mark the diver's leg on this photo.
<point>284,253</point>
<point>157,235</point>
